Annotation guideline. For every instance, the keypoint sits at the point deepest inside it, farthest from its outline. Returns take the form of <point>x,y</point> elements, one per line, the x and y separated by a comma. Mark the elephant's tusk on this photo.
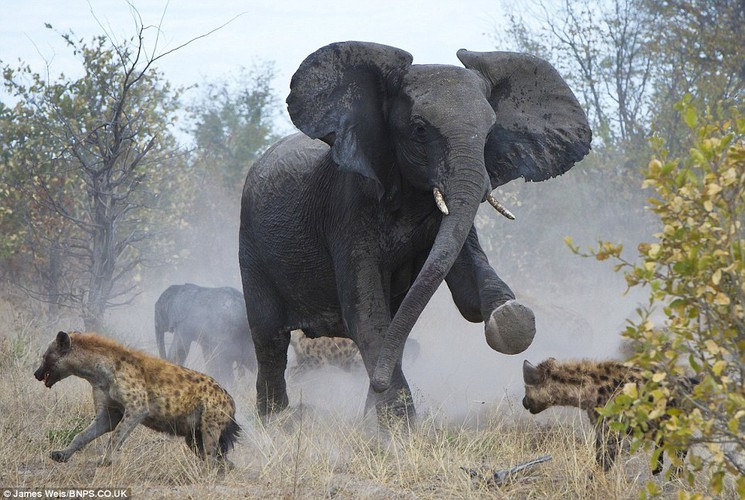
<point>499,207</point>
<point>440,201</point>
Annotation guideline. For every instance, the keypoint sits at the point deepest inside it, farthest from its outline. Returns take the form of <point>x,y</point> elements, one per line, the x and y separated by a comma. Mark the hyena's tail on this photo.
<point>229,436</point>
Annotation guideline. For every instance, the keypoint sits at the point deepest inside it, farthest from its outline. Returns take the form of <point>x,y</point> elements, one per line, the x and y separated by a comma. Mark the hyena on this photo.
<point>131,387</point>
<point>587,385</point>
<point>313,353</point>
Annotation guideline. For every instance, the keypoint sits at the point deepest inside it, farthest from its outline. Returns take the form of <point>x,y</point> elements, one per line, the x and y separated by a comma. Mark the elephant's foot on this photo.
<point>510,328</point>
<point>268,408</point>
<point>395,408</point>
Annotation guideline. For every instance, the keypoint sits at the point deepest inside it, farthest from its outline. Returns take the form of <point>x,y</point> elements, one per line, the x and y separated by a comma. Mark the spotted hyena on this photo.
<point>312,353</point>
<point>588,385</point>
<point>131,387</point>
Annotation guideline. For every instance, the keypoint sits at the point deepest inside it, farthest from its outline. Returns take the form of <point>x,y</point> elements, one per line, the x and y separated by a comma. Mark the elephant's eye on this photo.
<point>419,130</point>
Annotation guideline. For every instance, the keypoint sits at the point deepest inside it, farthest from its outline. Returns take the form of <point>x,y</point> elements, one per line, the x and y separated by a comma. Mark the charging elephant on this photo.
<point>353,233</point>
<point>214,318</point>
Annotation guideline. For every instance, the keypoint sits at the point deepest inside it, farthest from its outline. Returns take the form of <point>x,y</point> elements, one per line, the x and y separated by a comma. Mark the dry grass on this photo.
<point>304,453</point>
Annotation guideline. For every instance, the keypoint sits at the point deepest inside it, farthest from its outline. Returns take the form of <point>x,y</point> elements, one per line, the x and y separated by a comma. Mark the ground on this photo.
<point>309,452</point>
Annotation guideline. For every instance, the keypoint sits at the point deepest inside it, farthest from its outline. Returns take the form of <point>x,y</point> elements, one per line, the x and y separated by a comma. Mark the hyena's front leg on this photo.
<point>104,421</point>
<point>132,417</point>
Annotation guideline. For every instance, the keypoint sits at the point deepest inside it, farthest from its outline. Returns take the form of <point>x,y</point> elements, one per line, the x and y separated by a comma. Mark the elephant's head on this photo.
<point>455,132</point>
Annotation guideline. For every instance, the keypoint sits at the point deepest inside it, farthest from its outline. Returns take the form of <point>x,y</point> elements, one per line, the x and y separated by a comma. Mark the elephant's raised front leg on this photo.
<point>481,295</point>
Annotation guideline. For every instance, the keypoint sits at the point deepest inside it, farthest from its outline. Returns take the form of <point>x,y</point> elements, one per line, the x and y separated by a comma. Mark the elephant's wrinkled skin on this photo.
<point>214,318</point>
<point>342,235</point>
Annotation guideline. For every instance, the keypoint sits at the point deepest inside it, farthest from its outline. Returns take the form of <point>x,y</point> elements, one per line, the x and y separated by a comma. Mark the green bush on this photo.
<point>695,271</point>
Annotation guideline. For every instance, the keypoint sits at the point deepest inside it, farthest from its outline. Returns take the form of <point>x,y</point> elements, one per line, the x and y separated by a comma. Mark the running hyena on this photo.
<point>587,385</point>
<point>131,387</point>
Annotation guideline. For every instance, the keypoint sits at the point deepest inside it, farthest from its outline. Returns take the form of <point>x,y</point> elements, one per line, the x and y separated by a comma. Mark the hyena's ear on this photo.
<point>63,340</point>
<point>531,374</point>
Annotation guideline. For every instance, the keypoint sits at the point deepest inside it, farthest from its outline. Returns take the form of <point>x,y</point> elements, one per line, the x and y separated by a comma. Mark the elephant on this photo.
<point>215,318</point>
<point>349,226</point>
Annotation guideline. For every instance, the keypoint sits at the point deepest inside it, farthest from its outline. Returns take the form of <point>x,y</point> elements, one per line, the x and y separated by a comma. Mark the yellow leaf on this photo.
<point>722,299</point>
<point>716,277</point>
<point>708,206</point>
<point>729,176</point>
<point>655,166</point>
<point>719,367</point>
<point>658,377</point>
<point>630,390</point>
<point>711,347</point>
<point>713,189</point>
<point>656,413</point>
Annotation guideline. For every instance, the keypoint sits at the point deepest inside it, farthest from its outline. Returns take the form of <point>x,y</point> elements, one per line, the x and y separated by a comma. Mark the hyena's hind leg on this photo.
<point>675,470</point>
<point>106,420</point>
<point>607,444</point>
<point>219,432</point>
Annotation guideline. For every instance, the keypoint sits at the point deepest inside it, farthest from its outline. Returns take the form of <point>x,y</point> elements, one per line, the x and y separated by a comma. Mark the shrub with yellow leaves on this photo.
<point>695,271</point>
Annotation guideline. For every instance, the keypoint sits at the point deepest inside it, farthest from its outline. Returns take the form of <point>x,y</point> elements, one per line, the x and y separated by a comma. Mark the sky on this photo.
<point>282,31</point>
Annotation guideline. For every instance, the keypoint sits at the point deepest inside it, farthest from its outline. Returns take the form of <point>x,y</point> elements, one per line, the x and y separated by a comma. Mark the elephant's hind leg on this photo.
<point>271,354</point>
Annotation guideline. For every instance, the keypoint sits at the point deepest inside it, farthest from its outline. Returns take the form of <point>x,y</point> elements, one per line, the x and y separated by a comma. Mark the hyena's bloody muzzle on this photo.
<point>45,374</point>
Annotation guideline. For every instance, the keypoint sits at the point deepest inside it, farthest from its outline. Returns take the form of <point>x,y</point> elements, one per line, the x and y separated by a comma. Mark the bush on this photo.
<point>695,271</point>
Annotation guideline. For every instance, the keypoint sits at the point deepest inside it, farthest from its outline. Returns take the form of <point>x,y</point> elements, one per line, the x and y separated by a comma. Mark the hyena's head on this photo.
<point>53,364</point>
<point>538,393</point>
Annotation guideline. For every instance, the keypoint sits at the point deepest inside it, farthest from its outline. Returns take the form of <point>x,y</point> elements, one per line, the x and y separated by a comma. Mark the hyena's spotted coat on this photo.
<point>587,385</point>
<point>312,353</point>
<point>131,387</point>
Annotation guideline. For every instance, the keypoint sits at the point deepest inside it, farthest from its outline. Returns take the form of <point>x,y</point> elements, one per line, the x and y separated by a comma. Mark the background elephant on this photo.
<point>354,232</point>
<point>214,318</point>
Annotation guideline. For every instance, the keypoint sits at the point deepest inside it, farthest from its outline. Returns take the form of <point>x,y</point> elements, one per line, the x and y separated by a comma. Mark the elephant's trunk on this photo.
<point>463,195</point>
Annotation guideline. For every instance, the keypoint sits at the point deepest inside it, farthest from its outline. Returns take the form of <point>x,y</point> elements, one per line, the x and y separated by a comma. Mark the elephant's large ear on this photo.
<point>541,130</point>
<point>338,95</point>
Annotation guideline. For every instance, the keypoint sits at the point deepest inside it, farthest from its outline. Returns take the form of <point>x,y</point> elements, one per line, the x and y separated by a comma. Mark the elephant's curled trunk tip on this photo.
<point>381,379</point>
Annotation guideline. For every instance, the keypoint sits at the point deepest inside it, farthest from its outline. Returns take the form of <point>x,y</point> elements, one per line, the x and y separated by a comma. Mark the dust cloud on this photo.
<point>579,304</point>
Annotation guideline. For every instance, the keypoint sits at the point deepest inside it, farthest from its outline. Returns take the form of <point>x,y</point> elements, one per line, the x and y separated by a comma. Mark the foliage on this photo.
<point>234,124</point>
<point>700,49</point>
<point>695,271</point>
<point>91,175</point>
<point>232,121</point>
<point>62,437</point>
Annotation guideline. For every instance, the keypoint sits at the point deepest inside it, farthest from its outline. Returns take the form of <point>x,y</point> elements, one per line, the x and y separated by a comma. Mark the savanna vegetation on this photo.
<point>116,180</point>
